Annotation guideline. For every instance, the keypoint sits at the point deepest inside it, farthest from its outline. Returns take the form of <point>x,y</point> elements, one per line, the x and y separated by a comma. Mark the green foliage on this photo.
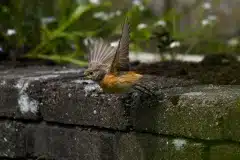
<point>201,37</point>
<point>56,29</point>
<point>70,32</point>
<point>60,36</point>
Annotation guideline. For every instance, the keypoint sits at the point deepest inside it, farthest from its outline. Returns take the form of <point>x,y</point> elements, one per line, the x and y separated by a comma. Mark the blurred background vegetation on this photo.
<point>58,30</point>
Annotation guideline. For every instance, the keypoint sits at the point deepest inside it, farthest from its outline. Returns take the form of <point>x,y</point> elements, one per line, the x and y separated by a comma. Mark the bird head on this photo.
<point>94,74</point>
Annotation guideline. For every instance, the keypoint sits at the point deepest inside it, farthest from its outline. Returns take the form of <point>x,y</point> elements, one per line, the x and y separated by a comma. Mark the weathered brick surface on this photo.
<point>69,104</point>
<point>146,147</point>
<point>232,121</point>
<point>58,97</point>
<point>72,102</point>
<point>11,139</point>
<point>198,112</point>
<point>15,101</point>
<point>8,101</point>
<point>72,144</point>
<point>225,152</point>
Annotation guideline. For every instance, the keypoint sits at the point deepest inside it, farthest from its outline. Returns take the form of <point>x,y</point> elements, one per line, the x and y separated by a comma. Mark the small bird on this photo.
<point>106,63</point>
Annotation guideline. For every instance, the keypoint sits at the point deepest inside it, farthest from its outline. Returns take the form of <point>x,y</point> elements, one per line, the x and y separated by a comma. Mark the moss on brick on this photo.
<point>205,112</point>
<point>225,152</point>
<point>146,147</point>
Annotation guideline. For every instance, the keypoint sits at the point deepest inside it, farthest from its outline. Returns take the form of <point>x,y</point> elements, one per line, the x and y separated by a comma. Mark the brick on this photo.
<point>70,102</point>
<point>225,152</point>
<point>11,139</point>
<point>232,122</point>
<point>15,100</point>
<point>57,96</point>
<point>67,102</point>
<point>204,112</point>
<point>65,143</point>
<point>143,146</point>
<point>8,101</point>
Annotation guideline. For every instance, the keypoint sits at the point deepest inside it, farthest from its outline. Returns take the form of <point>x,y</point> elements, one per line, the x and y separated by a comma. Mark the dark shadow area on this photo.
<point>215,69</point>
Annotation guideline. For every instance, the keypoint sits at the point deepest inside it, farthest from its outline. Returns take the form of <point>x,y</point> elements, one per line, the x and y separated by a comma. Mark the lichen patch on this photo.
<point>25,103</point>
<point>179,143</point>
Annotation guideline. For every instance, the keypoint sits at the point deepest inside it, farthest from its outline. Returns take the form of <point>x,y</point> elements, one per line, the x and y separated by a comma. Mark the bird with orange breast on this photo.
<point>106,62</point>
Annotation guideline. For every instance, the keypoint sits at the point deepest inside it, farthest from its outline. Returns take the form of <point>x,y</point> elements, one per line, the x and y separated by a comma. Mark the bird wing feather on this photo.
<point>121,57</point>
<point>101,54</point>
<point>110,58</point>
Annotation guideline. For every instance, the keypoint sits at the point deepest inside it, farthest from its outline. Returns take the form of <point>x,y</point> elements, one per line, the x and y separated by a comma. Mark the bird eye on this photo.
<point>90,73</point>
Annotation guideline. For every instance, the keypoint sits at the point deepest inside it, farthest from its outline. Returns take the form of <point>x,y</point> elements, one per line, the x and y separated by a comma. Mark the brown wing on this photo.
<point>101,54</point>
<point>121,57</point>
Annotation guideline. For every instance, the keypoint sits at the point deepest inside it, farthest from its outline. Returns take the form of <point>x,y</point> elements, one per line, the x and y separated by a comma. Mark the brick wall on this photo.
<point>50,113</point>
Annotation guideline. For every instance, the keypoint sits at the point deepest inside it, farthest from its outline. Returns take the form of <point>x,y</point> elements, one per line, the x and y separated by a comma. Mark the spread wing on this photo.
<point>101,54</point>
<point>121,57</point>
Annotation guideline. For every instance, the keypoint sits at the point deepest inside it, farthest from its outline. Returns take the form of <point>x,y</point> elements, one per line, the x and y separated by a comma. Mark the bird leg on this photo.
<point>144,90</point>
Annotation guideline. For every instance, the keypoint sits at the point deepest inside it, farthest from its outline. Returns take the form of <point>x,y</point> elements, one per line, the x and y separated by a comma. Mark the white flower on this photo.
<point>205,22</point>
<point>161,23</point>
<point>212,17</point>
<point>209,20</point>
<point>87,41</point>
<point>1,50</point>
<point>111,15</point>
<point>139,4</point>
<point>207,5</point>
<point>115,43</point>
<point>11,32</point>
<point>175,44</point>
<point>46,20</point>
<point>106,16</point>
<point>136,2</point>
<point>141,7</point>
<point>118,13</point>
<point>233,42</point>
<point>94,1</point>
<point>141,26</point>
<point>101,15</point>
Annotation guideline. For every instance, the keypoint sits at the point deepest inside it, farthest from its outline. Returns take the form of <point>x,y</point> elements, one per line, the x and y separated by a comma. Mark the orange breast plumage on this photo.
<point>119,84</point>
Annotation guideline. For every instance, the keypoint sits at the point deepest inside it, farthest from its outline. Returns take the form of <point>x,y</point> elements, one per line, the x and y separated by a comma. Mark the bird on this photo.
<point>106,63</point>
